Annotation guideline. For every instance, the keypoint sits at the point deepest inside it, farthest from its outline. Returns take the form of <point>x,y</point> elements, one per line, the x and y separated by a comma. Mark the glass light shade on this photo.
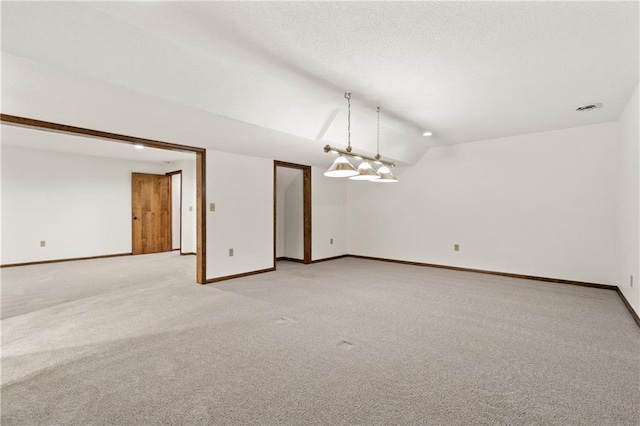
<point>365,172</point>
<point>385,175</point>
<point>341,168</point>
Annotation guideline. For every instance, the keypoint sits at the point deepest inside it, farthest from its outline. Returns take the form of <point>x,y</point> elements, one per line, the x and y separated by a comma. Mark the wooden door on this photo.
<point>151,213</point>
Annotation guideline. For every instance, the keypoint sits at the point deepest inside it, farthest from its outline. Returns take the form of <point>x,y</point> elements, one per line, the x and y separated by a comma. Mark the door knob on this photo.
<point>135,218</point>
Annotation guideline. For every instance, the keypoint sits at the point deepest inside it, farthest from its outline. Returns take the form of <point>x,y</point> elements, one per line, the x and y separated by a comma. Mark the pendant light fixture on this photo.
<point>385,175</point>
<point>384,172</point>
<point>341,167</point>
<point>365,172</point>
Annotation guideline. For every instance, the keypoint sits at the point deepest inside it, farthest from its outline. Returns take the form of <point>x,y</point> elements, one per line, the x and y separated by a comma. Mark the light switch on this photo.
<point>190,208</point>
<point>212,207</point>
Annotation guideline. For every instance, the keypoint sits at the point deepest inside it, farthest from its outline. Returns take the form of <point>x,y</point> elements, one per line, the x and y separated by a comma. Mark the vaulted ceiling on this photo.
<point>275,72</point>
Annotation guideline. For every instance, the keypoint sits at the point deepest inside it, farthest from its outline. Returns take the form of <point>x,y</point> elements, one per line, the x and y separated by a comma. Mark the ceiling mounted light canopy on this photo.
<point>341,167</point>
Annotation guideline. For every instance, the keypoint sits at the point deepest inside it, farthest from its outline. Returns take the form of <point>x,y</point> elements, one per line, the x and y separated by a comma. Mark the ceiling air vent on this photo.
<point>589,107</point>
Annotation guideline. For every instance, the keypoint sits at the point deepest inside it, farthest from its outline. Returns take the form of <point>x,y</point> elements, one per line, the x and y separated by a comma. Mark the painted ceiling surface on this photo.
<point>271,75</point>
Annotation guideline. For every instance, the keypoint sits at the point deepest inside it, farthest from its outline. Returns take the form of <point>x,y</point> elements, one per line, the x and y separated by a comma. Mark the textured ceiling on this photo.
<point>467,71</point>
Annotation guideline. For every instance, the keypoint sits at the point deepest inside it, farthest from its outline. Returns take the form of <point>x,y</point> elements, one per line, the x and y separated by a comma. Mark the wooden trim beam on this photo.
<point>290,259</point>
<point>633,313</point>
<point>482,271</point>
<point>275,212</point>
<point>279,163</point>
<point>308,235</point>
<point>244,274</point>
<point>306,209</point>
<point>342,256</point>
<point>201,218</point>
<point>63,128</point>
<point>70,259</point>
<point>177,172</point>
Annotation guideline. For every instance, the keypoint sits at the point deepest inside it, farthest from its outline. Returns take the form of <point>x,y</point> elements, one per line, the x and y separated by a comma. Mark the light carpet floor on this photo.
<point>133,340</point>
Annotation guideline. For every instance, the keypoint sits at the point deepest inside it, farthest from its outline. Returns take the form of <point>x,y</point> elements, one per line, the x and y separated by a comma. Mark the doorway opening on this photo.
<point>176,210</point>
<point>199,177</point>
<point>291,212</point>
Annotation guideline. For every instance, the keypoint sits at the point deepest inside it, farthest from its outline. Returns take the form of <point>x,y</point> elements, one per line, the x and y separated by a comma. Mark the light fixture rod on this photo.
<point>347,96</point>
<point>378,136</point>
<point>329,148</point>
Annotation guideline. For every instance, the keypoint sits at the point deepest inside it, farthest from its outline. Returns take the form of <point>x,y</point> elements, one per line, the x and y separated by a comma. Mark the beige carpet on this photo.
<point>133,341</point>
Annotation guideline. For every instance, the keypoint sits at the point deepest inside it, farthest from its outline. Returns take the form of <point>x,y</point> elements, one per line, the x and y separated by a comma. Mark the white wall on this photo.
<point>537,204</point>
<point>242,188</point>
<point>252,242</point>
<point>294,218</point>
<point>328,215</point>
<point>176,194</point>
<point>628,204</point>
<point>188,168</point>
<point>280,223</point>
<point>79,205</point>
<point>27,91</point>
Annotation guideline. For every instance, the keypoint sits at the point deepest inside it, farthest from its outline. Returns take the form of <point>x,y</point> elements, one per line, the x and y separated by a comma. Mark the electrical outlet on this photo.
<point>230,252</point>
<point>190,208</point>
<point>212,207</point>
<point>456,247</point>
<point>332,241</point>
<point>43,243</point>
